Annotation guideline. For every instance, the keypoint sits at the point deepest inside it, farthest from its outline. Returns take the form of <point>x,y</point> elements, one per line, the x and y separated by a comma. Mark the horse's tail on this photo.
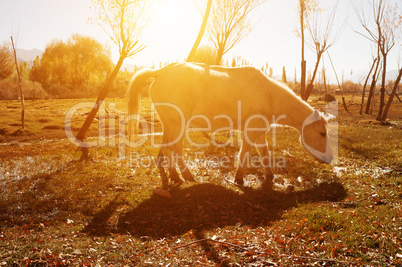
<point>134,98</point>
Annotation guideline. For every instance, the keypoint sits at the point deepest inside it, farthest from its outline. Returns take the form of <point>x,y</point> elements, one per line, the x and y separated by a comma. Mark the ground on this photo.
<point>57,210</point>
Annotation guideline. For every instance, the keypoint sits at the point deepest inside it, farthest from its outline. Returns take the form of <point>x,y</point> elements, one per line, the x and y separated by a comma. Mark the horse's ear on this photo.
<point>317,115</point>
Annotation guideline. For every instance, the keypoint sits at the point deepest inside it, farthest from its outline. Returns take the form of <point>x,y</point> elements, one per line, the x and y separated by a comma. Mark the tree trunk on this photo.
<point>337,80</point>
<point>393,93</point>
<point>102,95</point>
<point>364,87</point>
<point>382,99</point>
<point>219,55</point>
<point>20,86</point>
<point>372,88</point>
<point>310,85</point>
<point>201,32</point>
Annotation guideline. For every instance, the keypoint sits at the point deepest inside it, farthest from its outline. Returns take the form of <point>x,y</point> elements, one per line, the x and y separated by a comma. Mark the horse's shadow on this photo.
<point>208,206</point>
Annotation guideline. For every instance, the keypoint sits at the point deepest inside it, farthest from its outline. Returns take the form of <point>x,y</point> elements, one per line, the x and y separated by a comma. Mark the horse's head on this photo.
<point>315,138</point>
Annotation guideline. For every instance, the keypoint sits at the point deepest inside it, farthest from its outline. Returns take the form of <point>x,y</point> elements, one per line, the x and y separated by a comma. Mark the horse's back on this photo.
<point>200,83</point>
<point>198,89</point>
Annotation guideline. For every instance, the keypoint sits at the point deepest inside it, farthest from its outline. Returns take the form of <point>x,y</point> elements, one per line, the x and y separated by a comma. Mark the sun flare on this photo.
<point>172,30</point>
<point>169,12</point>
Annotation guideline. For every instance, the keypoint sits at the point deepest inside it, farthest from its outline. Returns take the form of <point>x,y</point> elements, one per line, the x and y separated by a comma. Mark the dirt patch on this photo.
<point>374,122</point>
<point>15,124</point>
<point>3,131</point>
<point>21,132</point>
<point>52,127</point>
<point>13,107</point>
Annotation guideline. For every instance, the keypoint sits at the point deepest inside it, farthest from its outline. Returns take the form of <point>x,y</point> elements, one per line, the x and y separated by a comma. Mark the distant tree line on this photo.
<point>73,68</point>
<point>6,61</point>
<point>79,61</point>
<point>77,65</point>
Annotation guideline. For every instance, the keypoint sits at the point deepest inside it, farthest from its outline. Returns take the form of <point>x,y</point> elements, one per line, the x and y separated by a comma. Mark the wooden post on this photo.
<point>19,83</point>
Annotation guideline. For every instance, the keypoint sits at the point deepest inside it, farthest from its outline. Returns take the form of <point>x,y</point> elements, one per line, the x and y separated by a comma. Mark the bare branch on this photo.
<point>321,41</point>
<point>123,21</point>
<point>230,23</point>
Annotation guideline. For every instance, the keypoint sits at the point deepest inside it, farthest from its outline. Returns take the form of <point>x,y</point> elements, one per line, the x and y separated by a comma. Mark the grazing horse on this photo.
<point>217,99</point>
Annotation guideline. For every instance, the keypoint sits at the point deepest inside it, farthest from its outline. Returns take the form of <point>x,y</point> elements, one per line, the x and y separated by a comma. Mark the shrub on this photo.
<point>6,61</point>
<point>327,97</point>
<point>9,89</point>
<point>205,54</point>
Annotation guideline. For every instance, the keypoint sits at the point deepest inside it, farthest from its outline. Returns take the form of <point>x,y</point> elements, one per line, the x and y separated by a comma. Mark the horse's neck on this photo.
<point>294,109</point>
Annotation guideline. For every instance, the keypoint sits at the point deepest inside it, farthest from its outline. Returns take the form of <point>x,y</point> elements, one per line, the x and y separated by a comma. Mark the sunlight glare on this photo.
<point>172,30</point>
<point>169,12</point>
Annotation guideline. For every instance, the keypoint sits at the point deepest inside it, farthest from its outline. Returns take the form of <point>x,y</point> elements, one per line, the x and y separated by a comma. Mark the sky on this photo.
<point>174,25</point>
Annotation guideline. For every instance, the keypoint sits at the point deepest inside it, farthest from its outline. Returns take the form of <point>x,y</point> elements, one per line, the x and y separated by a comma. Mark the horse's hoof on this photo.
<point>289,189</point>
<point>239,182</point>
<point>190,179</point>
<point>269,176</point>
<point>177,181</point>
<point>268,185</point>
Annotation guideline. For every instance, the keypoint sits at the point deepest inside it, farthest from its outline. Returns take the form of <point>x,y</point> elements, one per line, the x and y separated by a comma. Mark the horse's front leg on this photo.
<point>243,161</point>
<point>160,161</point>
<point>262,146</point>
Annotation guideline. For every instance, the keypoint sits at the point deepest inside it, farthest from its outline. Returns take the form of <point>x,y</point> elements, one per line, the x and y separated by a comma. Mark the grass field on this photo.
<point>56,210</point>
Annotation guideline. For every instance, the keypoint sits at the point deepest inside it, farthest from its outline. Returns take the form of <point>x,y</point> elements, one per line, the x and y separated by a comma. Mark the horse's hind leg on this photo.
<point>166,152</point>
<point>178,149</point>
<point>169,156</point>
<point>160,162</point>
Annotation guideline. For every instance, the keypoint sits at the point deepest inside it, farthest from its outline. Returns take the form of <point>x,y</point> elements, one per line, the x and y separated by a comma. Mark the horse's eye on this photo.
<point>323,134</point>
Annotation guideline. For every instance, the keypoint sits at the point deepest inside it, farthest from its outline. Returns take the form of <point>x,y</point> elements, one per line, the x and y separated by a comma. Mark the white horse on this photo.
<point>216,99</point>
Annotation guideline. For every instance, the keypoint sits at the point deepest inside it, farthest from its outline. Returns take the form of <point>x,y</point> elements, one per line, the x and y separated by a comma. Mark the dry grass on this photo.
<point>56,210</point>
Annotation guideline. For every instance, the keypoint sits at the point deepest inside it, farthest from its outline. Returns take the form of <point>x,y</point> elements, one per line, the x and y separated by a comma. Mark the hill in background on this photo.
<point>28,55</point>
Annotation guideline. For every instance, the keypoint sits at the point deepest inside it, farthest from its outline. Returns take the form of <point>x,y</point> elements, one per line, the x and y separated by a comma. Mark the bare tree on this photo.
<point>201,32</point>
<point>230,23</point>
<point>382,26</point>
<point>374,79</point>
<point>339,85</point>
<point>391,97</point>
<point>306,7</point>
<point>122,21</point>
<point>320,41</point>
<point>365,84</point>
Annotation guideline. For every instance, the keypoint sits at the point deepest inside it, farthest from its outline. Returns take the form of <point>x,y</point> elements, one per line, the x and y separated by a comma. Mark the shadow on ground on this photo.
<point>207,206</point>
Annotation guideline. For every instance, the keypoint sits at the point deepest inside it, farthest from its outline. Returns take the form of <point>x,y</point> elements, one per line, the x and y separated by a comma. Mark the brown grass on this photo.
<point>55,210</point>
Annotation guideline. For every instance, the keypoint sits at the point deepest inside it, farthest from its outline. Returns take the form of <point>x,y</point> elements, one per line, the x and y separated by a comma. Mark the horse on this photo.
<point>215,98</point>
